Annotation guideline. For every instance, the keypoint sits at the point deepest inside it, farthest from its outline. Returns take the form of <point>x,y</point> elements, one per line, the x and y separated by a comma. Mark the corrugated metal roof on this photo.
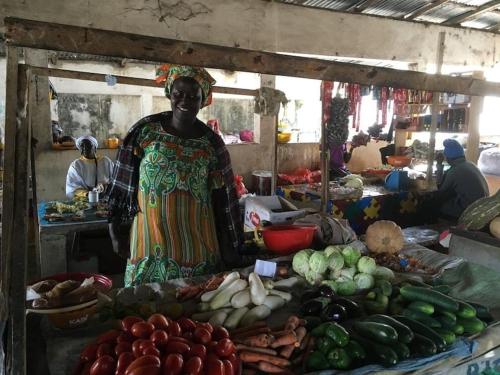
<point>400,9</point>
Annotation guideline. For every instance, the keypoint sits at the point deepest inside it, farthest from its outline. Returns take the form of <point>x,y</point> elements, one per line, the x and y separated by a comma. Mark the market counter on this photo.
<point>407,208</point>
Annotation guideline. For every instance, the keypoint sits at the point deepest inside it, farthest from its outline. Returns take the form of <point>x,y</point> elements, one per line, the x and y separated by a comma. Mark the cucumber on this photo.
<point>446,321</point>
<point>385,287</point>
<point>445,289</point>
<point>465,310</point>
<point>482,312</point>
<point>458,330</point>
<point>405,334</point>
<point>396,305</point>
<point>447,335</point>
<point>401,350</point>
<point>422,329</point>
<point>471,325</point>
<point>380,353</point>
<point>380,332</point>
<point>423,346</point>
<point>415,293</point>
<point>422,318</point>
<point>423,307</point>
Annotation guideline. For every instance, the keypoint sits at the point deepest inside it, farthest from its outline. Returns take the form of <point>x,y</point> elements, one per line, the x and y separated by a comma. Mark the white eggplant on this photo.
<point>205,316</point>
<point>287,283</point>
<point>257,313</point>
<point>274,302</point>
<point>241,299</point>
<point>233,320</point>
<point>268,284</point>
<point>285,295</point>
<point>218,319</point>
<point>257,291</point>
<point>208,296</point>
<point>224,296</point>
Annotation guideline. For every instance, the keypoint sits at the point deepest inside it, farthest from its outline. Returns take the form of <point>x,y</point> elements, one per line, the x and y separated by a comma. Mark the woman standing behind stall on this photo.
<point>174,179</point>
<point>89,171</point>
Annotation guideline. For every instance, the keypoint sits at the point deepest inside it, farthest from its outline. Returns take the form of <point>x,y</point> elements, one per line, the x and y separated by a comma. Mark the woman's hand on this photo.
<point>120,244</point>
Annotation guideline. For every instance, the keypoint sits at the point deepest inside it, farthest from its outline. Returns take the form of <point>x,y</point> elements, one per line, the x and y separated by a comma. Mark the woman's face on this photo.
<point>88,149</point>
<point>186,99</point>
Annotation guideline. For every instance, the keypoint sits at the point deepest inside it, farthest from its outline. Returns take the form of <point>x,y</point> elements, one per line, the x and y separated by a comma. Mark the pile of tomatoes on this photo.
<point>161,346</point>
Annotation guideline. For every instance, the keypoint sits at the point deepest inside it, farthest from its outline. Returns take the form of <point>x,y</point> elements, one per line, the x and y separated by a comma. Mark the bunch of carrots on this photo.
<point>196,290</point>
<point>263,349</point>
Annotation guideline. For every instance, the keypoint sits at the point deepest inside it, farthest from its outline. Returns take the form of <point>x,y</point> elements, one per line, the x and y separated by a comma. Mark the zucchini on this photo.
<point>415,293</point>
<point>465,310</point>
<point>355,350</point>
<point>446,321</point>
<point>458,330</point>
<point>405,334</point>
<point>380,353</point>
<point>422,318</point>
<point>380,332</point>
<point>423,307</point>
<point>423,346</point>
<point>445,289</point>
<point>447,335</point>
<point>471,325</point>
<point>401,350</point>
<point>375,307</point>
<point>423,330</point>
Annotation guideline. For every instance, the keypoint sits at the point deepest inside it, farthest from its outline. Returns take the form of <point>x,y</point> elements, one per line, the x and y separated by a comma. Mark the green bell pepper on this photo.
<point>337,333</point>
<point>339,359</point>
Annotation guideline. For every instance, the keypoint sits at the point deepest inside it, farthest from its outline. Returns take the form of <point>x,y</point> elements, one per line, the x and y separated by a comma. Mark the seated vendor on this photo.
<point>89,171</point>
<point>460,185</point>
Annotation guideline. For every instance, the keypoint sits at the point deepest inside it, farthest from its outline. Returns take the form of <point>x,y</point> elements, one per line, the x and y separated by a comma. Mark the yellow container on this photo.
<point>284,137</point>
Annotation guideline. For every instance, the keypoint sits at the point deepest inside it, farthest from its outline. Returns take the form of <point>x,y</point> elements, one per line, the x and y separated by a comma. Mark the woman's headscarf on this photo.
<point>168,73</point>
<point>79,141</point>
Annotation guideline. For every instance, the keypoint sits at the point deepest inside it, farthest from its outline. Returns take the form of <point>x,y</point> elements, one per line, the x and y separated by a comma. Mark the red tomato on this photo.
<point>174,329</point>
<point>228,367</point>
<point>186,324</point>
<point>159,321</point>
<point>105,349</point>
<point>103,366</point>
<point>124,360</point>
<point>235,360</point>
<point>145,370</point>
<point>109,336</point>
<point>142,329</point>
<point>215,367</point>
<point>198,350</point>
<point>89,353</point>
<point>220,333</point>
<point>159,338</point>
<point>202,335</point>
<point>173,364</point>
<point>194,366</point>
<point>147,360</point>
<point>139,345</point>
<point>225,348</point>
<point>125,337</point>
<point>123,347</point>
<point>188,336</point>
<point>207,326</point>
<point>177,347</point>
<point>151,350</point>
<point>211,347</point>
<point>180,339</point>
<point>129,321</point>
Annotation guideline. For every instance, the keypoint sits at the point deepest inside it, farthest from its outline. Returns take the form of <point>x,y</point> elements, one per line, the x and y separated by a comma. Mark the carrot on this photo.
<point>256,325</point>
<point>241,347</point>
<point>286,351</point>
<point>301,332</point>
<point>305,342</point>
<point>254,332</point>
<point>247,356</point>
<point>292,322</point>
<point>281,332</point>
<point>270,368</point>
<point>288,339</point>
<point>259,341</point>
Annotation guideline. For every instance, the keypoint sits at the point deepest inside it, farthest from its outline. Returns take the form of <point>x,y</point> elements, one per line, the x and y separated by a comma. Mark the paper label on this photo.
<point>265,268</point>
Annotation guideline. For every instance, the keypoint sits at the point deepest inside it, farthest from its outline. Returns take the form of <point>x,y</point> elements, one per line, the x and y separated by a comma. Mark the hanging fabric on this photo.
<point>384,96</point>
<point>354,95</point>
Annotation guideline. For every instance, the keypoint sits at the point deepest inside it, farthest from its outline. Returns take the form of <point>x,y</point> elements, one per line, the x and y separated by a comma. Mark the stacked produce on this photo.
<point>240,303</point>
<point>160,346</point>
<point>345,271</point>
<point>481,213</point>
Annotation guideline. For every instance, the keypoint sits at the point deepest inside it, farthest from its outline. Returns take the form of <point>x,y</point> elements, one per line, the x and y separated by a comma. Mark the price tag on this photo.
<point>265,268</point>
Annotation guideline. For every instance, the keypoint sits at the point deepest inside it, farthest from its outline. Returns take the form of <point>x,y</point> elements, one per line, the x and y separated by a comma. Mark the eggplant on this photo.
<point>352,308</point>
<point>326,291</point>
<point>309,295</point>
<point>334,313</point>
<point>311,307</point>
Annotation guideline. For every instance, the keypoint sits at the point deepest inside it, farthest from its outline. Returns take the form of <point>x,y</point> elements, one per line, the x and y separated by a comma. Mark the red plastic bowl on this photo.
<point>287,239</point>
<point>102,282</point>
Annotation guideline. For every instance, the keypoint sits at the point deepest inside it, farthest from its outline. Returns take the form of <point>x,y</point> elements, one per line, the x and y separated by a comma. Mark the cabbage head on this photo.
<point>367,265</point>
<point>314,278</point>
<point>364,281</point>
<point>383,273</point>
<point>335,261</point>
<point>329,250</point>
<point>334,274</point>
<point>351,256</point>
<point>348,272</point>
<point>300,262</point>
<point>318,262</point>
<point>345,287</point>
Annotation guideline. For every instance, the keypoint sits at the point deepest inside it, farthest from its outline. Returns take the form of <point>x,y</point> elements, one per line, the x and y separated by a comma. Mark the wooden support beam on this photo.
<point>58,37</point>
<point>124,80</point>
<point>470,15</point>
<point>474,136</point>
<point>424,9</point>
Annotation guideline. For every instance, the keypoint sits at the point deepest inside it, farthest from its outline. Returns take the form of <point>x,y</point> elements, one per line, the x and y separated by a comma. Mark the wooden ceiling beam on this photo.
<point>424,9</point>
<point>470,15</point>
<point>57,37</point>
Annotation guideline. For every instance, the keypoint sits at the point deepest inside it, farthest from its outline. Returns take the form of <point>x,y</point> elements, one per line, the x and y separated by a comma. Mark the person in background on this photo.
<point>460,185</point>
<point>174,180</point>
<point>89,171</point>
<point>340,155</point>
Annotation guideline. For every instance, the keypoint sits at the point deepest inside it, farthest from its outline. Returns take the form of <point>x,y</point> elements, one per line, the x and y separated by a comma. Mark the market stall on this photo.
<point>269,328</point>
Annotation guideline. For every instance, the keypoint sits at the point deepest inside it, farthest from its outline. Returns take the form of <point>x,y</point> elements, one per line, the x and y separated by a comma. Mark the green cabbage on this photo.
<point>314,278</point>
<point>345,287</point>
<point>300,262</point>
<point>351,256</point>
<point>383,273</point>
<point>367,265</point>
<point>348,272</point>
<point>318,262</point>
<point>335,261</point>
<point>334,274</point>
<point>329,250</point>
<point>364,281</point>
